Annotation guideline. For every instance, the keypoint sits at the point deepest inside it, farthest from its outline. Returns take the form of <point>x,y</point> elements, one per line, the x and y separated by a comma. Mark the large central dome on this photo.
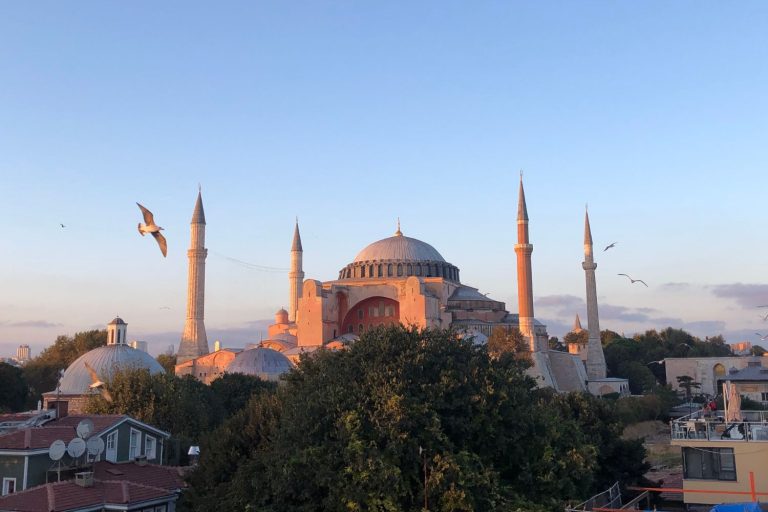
<point>399,257</point>
<point>400,248</point>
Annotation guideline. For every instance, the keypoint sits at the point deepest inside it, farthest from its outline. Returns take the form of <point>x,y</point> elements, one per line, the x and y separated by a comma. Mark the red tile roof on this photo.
<point>167,477</point>
<point>63,496</point>
<point>127,483</point>
<point>35,438</point>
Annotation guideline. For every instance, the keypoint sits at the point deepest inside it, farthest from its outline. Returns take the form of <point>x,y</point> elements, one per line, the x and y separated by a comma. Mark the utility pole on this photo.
<point>423,452</point>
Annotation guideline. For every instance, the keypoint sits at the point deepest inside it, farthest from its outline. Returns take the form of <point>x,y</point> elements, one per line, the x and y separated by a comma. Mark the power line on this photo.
<point>251,266</point>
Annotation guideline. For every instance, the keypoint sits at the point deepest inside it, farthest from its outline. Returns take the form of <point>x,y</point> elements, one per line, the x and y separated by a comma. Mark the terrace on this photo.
<point>703,427</point>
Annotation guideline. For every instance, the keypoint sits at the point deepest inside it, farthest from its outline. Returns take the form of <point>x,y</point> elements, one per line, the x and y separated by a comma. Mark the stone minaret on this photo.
<point>194,342</point>
<point>524,278</point>
<point>595,358</point>
<point>296,275</point>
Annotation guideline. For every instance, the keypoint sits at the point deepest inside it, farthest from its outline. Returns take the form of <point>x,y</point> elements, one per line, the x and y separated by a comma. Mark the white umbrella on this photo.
<point>733,410</point>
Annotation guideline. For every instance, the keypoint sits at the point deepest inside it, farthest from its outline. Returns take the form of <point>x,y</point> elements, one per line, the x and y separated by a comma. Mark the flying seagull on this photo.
<point>97,383</point>
<point>62,225</point>
<point>150,227</point>
<point>634,280</point>
<point>761,336</point>
<point>764,317</point>
<point>612,245</point>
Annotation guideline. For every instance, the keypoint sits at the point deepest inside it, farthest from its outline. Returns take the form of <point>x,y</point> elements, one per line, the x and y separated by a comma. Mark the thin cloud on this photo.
<point>34,324</point>
<point>560,301</point>
<point>747,295</point>
<point>675,286</point>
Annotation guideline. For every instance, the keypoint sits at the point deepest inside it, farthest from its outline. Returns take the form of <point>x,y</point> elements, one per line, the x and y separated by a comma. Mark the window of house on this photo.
<point>134,446</point>
<point>709,463</point>
<point>360,314</point>
<point>9,486</point>
<point>111,451</point>
<point>150,446</point>
<point>764,396</point>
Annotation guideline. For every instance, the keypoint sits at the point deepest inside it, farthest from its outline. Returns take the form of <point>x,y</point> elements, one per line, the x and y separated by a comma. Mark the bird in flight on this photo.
<point>761,336</point>
<point>97,383</point>
<point>764,317</point>
<point>150,227</point>
<point>612,245</point>
<point>634,280</point>
<point>766,306</point>
<point>62,225</point>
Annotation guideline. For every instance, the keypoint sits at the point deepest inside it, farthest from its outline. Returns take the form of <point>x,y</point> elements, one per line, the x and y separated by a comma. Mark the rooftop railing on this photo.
<point>711,427</point>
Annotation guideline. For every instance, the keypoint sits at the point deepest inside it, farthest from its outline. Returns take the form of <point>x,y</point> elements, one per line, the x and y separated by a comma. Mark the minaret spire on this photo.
<point>596,368</point>
<point>194,341</point>
<point>523,249</point>
<point>296,274</point>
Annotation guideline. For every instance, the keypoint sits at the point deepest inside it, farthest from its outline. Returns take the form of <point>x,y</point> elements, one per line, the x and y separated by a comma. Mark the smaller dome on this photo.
<point>105,361</point>
<point>117,321</point>
<point>281,317</point>
<point>265,363</point>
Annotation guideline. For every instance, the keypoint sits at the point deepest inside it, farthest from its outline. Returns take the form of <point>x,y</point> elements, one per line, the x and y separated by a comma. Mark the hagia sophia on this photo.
<point>396,280</point>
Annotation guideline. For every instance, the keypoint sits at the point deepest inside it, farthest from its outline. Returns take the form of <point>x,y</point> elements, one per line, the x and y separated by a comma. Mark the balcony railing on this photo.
<point>701,426</point>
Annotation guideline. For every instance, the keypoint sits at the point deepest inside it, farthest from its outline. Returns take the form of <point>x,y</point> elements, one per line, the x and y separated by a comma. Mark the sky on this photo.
<point>349,115</point>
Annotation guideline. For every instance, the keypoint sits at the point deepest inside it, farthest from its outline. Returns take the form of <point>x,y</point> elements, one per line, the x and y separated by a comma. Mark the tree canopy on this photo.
<point>403,416</point>
<point>13,388</point>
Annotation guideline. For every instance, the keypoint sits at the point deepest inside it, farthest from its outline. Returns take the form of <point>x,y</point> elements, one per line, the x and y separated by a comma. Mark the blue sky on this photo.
<point>350,114</point>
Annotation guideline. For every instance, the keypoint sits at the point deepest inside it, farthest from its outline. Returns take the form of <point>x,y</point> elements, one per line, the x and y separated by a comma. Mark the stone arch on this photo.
<point>371,312</point>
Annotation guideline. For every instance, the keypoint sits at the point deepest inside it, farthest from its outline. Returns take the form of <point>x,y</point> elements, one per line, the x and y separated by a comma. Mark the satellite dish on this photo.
<point>95,446</point>
<point>84,428</point>
<point>76,447</point>
<point>57,449</point>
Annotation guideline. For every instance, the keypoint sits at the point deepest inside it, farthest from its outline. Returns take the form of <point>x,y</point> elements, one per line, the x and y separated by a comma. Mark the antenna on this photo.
<point>57,449</point>
<point>84,428</point>
<point>95,446</point>
<point>76,447</point>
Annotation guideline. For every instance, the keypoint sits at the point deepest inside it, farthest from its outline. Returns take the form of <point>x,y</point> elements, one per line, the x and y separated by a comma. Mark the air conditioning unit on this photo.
<point>84,479</point>
<point>141,460</point>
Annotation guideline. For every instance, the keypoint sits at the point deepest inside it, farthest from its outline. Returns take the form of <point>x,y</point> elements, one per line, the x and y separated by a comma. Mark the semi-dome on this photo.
<point>105,361</point>
<point>265,363</point>
<point>400,248</point>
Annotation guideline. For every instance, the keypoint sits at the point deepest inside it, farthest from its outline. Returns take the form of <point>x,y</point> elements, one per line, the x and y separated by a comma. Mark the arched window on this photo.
<point>380,270</point>
<point>370,270</point>
<point>389,270</point>
<point>718,370</point>
<point>362,271</point>
<point>418,270</point>
<point>360,328</point>
<point>399,270</point>
<point>409,269</point>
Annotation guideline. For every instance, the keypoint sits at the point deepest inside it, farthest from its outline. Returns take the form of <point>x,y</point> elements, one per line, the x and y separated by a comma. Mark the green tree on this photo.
<point>353,429</point>
<point>687,383</point>
<point>511,341</point>
<point>580,337</point>
<point>757,350</point>
<point>234,390</point>
<point>13,388</point>
<point>168,362</point>
<point>185,407</point>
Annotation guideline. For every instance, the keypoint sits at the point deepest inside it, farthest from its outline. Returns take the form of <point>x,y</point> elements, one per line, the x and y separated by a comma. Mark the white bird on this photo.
<point>762,337</point>
<point>634,280</point>
<point>153,229</point>
<point>97,383</point>
<point>612,245</point>
<point>764,317</point>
